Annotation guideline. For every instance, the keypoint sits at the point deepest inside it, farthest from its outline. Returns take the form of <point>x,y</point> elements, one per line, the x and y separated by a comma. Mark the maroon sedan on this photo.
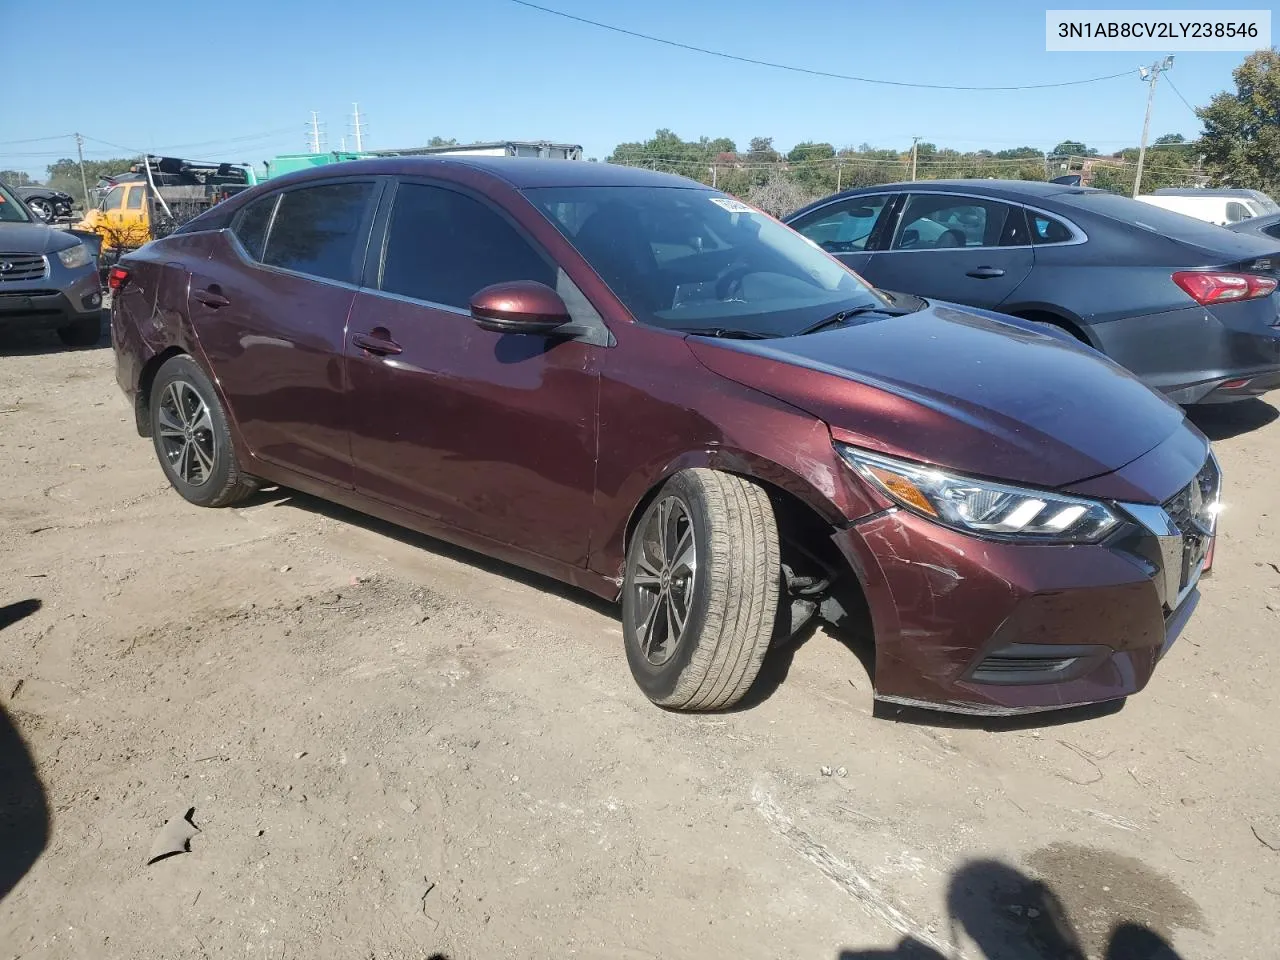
<point>651,390</point>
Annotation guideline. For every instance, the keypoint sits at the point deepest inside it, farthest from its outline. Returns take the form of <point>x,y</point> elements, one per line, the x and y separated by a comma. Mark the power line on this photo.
<point>8,143</point>
<point>1180,97</point>
<point>795,69</point>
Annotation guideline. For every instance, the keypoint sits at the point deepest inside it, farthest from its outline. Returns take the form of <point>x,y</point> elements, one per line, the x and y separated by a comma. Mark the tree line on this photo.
<point>1240,146</point>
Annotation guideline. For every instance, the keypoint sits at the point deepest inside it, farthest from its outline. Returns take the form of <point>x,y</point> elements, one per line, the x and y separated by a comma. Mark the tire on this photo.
<point>85,332</point>
<point>193,438</point>
<point>42,209</point>
<point>728,590</point>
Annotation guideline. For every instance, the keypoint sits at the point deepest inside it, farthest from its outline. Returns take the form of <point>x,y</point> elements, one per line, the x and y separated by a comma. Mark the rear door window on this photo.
<point>843,227</point>
<point>940,222</point>
<point>318,230</point>
<point>135,198</point>
<point>251,225</point>
<point>443,247</point>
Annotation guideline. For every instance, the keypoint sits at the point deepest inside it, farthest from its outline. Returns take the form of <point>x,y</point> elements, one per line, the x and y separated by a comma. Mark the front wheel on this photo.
<point>193,438</point>
<point>41,208</point>
<point>700,594</point>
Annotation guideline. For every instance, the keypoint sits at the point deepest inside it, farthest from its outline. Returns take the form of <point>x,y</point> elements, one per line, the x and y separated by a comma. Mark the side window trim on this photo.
<point>1077,234</point>
<point>581,311</point>
<point>882,233</point>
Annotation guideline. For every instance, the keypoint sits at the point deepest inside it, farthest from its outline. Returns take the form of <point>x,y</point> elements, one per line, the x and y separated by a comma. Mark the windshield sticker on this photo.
<point>733,206</point>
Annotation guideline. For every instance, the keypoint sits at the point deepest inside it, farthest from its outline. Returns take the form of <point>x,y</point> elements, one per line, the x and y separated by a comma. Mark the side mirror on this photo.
<point>520,306</point>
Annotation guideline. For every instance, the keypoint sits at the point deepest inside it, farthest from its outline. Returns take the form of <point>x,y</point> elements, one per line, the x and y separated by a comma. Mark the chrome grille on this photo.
<point>1192,510</point>
<point>22,266</point>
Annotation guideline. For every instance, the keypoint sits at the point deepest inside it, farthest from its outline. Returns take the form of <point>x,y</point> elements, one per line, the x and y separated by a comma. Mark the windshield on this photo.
<point>11,211</point>
<point>695,260</point>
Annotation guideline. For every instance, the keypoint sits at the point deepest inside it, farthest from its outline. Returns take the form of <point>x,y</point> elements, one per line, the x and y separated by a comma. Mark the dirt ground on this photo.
<point>393,748</point>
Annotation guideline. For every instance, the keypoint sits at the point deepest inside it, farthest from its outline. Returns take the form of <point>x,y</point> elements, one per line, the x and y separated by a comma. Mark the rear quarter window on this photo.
<point>250,226</point>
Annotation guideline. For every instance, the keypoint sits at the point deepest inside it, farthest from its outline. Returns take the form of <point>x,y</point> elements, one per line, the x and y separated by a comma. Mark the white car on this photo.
<point>1216,206</point>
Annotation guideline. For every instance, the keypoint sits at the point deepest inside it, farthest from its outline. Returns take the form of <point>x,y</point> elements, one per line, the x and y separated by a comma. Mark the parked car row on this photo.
<point>641,386</point>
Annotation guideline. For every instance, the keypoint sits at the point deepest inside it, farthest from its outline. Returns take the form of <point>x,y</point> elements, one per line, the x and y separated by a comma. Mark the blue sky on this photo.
<point>242,82</point>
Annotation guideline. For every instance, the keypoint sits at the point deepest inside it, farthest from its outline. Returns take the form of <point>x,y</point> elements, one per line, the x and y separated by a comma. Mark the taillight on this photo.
<point>1207,288</point>
<point>117,277</point>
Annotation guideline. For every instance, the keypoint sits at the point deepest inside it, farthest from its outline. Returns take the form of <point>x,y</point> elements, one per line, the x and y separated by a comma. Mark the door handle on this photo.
<point>985,273</point>
<point>211,298</point>
<point>374,343</point>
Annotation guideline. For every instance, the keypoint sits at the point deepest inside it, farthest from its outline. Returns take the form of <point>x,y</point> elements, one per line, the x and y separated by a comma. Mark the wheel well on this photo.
<point>1054,320</point>
<point>813,562</point>
<point>142,399</point>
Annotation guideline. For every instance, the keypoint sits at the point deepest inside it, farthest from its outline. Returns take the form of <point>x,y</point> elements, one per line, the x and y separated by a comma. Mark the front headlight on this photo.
<point>983,507</point>
<point>77,256</point>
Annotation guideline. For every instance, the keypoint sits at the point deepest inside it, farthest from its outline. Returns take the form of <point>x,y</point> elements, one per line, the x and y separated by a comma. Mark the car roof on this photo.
<point>1022,191</point>
<point>520,172</point>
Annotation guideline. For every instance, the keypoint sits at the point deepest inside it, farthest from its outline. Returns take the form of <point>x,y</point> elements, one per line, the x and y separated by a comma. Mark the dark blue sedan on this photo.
<point>1189,307</point>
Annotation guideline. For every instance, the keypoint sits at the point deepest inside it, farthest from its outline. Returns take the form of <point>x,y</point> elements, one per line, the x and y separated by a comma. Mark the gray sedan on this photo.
<point>1189,307</point>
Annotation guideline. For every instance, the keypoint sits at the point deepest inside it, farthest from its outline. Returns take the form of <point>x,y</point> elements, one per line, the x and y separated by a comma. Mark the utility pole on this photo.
<point>1149,74</point>
<point>914,141</point>
<point>713,176</point>
<point>84,181</point>
<point>839,175</point>
<point>357,128</point>
<point>315,132</point>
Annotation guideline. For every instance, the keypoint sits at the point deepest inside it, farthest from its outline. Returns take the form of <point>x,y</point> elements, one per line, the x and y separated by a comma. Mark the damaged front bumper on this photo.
<point>994,628</point>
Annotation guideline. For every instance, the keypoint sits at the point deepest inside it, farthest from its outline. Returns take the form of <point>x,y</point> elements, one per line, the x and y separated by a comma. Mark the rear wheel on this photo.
<point>700,595</point>
<point>85,332</point>
<point>193,438</point>
<point>41,208</point>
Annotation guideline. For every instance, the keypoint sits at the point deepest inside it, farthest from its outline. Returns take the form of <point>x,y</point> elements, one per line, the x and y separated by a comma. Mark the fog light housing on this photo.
<point>1023,663</point>
<point>91,300</point>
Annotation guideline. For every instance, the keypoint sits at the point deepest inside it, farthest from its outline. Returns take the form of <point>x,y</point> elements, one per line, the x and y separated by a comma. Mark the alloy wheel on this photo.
<point>186,433</point>
<point>664,580</point>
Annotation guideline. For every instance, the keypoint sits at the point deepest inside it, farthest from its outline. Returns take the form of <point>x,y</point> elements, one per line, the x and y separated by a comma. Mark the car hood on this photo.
<point>33,238</point>
<point>960,388</point>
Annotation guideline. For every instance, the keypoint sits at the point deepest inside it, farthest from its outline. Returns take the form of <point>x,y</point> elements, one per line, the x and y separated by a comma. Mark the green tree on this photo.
<point>1020,153</point>
<point>16,178</point>
<point>442,142</point>
<point>666,151</point>
<point>1241,140</point>
<point>1074,148</point>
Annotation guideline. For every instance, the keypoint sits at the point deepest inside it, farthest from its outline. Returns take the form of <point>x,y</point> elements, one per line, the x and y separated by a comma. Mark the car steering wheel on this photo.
<point>729,280</point>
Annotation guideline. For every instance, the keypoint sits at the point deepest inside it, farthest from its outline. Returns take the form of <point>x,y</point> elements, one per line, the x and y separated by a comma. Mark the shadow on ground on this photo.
<point>1008,915</point>
<point>1222,421</point>
<point>24,809</point>
<point>16,342</point>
